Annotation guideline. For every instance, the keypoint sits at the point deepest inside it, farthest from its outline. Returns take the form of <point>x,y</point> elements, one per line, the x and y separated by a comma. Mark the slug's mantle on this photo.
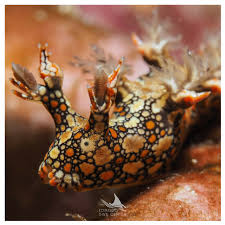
<point>151,119</point>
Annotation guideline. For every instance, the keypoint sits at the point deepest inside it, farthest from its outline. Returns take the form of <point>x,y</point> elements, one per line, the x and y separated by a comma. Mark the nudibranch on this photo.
<point>150,121</point>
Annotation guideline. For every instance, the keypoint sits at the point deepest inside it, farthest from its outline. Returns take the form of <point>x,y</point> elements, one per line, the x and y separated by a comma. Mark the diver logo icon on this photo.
<point>116,203</point>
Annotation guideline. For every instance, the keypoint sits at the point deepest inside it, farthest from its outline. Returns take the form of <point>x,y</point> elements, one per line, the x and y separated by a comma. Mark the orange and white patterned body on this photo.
<point>150,121</point>
<point>132,145</point>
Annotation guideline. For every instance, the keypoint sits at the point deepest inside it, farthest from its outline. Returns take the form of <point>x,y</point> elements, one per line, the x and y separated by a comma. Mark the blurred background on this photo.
<point>69,31</point>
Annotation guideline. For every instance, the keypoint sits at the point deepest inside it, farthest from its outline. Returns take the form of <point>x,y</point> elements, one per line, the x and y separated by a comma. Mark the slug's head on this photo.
<point>77,155</point>
<point>69,161</point>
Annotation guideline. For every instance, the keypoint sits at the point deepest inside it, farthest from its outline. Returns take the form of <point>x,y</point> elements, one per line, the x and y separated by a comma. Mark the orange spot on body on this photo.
<point>50,175</point>
<point>117,148</point>
<point>53,182</point>
<point>120,109</point>
<point>150,125</point>
<point>119,160</point>
<point>163,132</point>
<point>148,161</point>
<point>88,182</point>
<point>107,175</point>
<point>69,152</point>
<point>113,133</point>
<point>63,128</point>
<point>122,113</point>
<point>155,168</point>
<point>54,103</point>
<point>82,157</point>
<point>67,167</point>
<point>152,138</point>
<point>45,98</point>
<point>133,157</point>
<point>144,153</point>
<point>57,118</point>
<point>78,135</point>
<point>122,129</point>
<point>63,107</point>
